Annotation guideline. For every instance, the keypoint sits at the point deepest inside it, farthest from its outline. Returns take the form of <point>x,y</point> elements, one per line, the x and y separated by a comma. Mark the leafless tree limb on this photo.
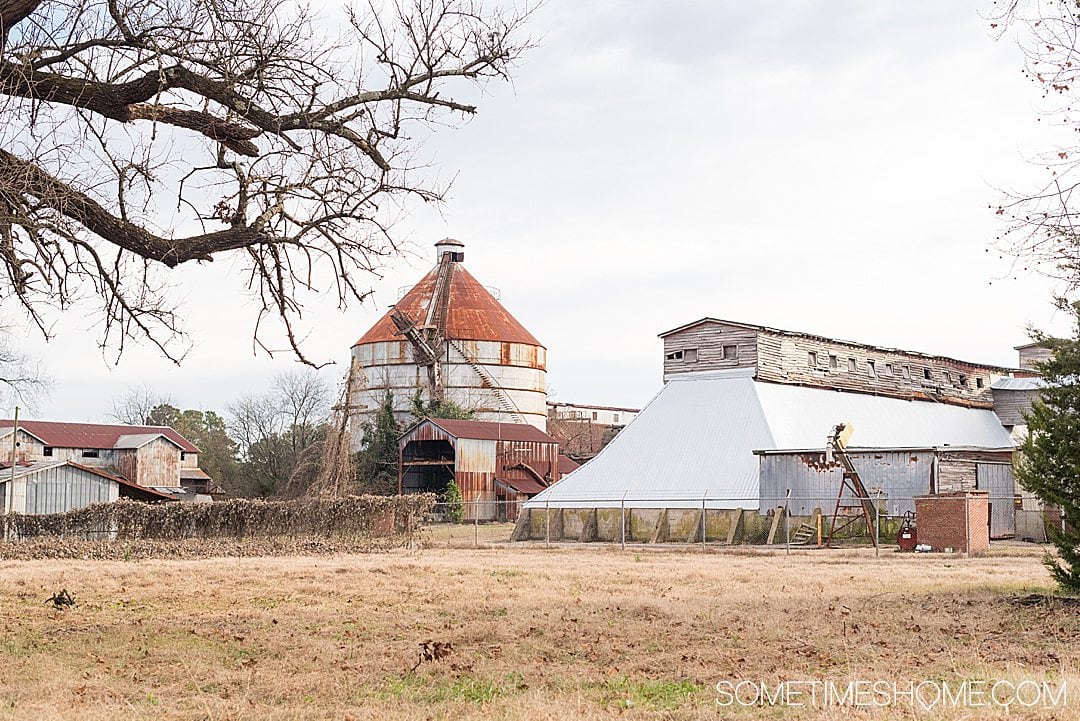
<point>1042,226</point>
<point>140,135</point>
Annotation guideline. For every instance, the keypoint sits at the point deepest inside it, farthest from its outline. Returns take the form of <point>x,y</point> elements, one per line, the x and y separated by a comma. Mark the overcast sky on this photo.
<point>818,166</point>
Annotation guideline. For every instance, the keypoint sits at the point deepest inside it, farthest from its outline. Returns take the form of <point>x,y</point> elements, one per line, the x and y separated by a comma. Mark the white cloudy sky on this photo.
<point>822,166</point>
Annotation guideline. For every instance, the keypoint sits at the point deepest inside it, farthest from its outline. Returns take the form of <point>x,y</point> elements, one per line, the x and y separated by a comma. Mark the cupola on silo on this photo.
<point>449,337</point>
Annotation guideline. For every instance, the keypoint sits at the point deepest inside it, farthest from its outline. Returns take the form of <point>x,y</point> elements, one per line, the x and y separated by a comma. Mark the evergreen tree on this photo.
<point>1049,465</point>
<point>455,502</point>
<point>377,460</point>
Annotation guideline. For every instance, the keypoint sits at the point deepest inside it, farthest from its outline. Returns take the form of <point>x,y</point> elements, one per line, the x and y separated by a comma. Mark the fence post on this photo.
<point>547,524</point>
<point>877,524</point>
<point>703,520</point>
<point>787,525</point>
<point>622,522</point>
<point>476,527</point>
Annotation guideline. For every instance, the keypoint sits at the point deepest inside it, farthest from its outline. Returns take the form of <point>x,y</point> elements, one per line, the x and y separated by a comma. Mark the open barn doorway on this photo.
<point>427,466</point>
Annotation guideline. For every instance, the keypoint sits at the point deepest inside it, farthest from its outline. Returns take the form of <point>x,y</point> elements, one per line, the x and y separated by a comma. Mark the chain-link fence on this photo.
<point>789,522</point>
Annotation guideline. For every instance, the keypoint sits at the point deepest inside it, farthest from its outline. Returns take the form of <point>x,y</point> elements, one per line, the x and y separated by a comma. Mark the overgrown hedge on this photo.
<point>354,518</point>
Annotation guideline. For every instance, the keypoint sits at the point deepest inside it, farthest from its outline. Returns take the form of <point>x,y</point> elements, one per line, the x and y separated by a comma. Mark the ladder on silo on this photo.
<point>427,339</point>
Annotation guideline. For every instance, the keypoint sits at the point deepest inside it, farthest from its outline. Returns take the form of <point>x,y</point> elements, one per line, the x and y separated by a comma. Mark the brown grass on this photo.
<point>577,633</point>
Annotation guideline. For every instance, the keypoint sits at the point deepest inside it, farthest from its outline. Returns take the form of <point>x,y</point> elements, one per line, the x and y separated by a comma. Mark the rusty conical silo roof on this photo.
<point>473,313</point>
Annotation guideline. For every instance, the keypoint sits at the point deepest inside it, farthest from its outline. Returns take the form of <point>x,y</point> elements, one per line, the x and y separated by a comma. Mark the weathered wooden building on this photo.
<point>496,465</point>
<point>146,457</point>
<point>745,412</point>
<point>792,357</point>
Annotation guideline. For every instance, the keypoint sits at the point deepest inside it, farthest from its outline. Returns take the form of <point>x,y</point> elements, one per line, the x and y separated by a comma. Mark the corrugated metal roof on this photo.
<point>127,487</point>
<point>693,439</point>
<point>473,313</point>
<point>567,465</point>
<point>93,435</point>
<point>487,430</point>
<point>696,439</point>
<point>1018,384</point>
<point>802,417</point>
<point>522,485</point>
<point>138,440</point>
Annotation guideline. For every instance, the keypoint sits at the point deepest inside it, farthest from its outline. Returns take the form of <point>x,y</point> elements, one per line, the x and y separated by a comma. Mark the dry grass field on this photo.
<point>581,633</point>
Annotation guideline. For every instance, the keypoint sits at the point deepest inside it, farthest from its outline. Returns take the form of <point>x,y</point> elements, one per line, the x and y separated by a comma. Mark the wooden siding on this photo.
<point>957,470</point>
<point>709,339</point>
<point>29,449</point>
<point>1035,354</point>
<point>1010,405</point>
<point>157,464</point>
<point>811,361</point>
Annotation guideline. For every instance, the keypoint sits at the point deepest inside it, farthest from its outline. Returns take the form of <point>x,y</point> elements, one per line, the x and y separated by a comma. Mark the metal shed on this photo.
<point>496,465</point>
<point>59,486</point>
<point>894,475</point>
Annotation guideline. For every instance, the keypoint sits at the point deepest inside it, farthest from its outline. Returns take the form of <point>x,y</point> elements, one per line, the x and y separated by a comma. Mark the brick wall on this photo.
<point>939,521</point>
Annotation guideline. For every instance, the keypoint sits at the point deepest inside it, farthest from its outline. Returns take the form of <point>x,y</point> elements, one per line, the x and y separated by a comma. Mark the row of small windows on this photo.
<point>582,416</point>
<point>690,355</point>
<point>888,370</point>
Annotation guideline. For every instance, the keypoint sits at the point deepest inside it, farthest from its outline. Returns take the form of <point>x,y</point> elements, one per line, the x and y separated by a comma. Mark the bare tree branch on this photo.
<point>129,123</point>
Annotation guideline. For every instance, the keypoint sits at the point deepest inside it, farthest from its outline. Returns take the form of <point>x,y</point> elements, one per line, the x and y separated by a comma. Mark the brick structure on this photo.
<point>951,520</point>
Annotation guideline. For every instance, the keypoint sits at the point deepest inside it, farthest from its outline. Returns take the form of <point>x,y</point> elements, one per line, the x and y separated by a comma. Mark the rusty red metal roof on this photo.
<point>488,430</point>
<point>93,435</point>
<point>473,313</point>
<point>528,486</point>
<point>567,464</point>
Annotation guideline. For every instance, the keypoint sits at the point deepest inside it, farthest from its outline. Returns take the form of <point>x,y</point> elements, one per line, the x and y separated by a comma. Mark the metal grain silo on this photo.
<point>449,337</point>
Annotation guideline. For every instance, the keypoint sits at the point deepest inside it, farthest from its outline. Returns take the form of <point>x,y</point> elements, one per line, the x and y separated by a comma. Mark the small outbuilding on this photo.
<point>496,465</point>
<point>60,486</point>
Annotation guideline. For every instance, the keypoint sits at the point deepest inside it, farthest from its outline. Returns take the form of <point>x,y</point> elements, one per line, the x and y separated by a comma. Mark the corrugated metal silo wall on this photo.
<point>55,490</point>
<point>815,483</point>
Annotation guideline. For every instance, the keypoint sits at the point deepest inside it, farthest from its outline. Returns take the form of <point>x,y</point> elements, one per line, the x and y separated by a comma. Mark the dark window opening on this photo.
<point>978,382</point>
<point>47,451</point>
<point>90,453</point>
<point>676,355</point>
<point>871,369</point>
<point>926,373</point>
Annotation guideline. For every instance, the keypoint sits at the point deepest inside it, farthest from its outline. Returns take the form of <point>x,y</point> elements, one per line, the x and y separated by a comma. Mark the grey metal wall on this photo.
<point>997,478</point>
<point>815,483</point>
<point>55,490</point>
